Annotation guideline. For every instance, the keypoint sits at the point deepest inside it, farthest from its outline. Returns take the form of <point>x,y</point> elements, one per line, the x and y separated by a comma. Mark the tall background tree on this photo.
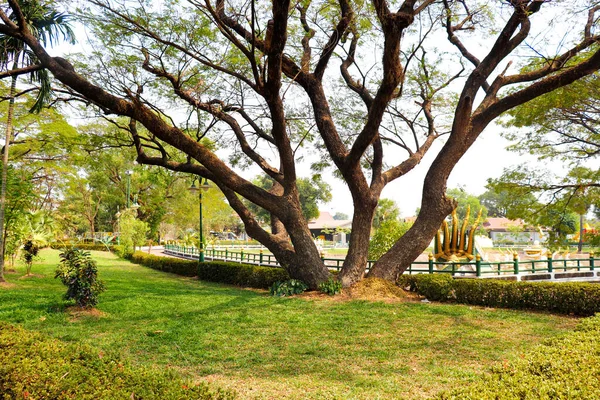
<point>259,79</point>
<point>562,127</point>
<point>16,58</point>
<point>387,210</point>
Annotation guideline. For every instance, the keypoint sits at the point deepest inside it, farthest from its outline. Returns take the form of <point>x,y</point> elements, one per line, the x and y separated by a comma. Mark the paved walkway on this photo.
<point>155,251</point>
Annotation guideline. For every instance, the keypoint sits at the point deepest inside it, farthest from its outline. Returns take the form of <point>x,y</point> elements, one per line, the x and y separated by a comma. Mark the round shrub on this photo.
<point>78,271</point>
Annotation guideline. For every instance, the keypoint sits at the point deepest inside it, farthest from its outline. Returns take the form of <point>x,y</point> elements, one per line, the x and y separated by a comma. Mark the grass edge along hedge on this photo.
<point>214,271</point>
<point>34,366</point>
<point>567,367</point>
<point>578,298</point>
<point>81,246</point>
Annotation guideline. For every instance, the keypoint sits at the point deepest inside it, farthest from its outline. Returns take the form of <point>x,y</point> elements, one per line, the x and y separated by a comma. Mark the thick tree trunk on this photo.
<point>301,257</point>
<point>355,263</point>
<point>306,263</point>
<point>435,206</point>
<point>410,246</point>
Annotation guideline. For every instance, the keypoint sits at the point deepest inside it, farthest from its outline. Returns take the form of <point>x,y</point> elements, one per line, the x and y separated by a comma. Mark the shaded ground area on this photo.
<point>288,348</point>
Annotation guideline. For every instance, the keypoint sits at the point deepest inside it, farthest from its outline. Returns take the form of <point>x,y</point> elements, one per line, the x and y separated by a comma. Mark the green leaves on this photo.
<point>78,271</point>
<point>386,236</point>
<point>331,287</point>
<point>288,288</point>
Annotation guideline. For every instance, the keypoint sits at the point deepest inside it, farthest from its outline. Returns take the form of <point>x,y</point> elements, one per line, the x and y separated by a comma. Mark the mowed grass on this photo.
<point>284,348</point>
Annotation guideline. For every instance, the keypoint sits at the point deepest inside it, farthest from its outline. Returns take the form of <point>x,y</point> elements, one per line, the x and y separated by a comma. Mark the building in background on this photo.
<point>328,229</point>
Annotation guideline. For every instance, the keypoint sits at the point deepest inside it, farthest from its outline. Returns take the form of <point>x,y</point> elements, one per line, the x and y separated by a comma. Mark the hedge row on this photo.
<point>82,246</point>
<point>563,368</point>
<point>215,271</point>
<point>35,367</point>
<point>579,298</point>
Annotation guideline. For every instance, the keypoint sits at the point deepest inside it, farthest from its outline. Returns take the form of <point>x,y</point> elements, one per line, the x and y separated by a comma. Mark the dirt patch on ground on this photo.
<point>371,289</point>
<point>375,289</point>
<point>27,276</point>
<point>7,285</point>
<point>78,313</point>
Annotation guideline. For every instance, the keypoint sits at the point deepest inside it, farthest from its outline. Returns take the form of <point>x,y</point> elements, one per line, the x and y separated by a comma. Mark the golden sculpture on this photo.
<point>456,246</point>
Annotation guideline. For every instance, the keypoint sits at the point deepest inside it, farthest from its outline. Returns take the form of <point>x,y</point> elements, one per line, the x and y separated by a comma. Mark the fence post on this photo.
<point>591,260</point>
<point>241,255</point>
<point>430,263</point>
<point>549,256</point>
<point>260,257</point>
<point>516,263</point>
<point>478,265</point>
<point>226,253</point>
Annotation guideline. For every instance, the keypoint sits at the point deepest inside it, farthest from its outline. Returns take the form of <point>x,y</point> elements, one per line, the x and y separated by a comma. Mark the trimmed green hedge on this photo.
<point>81,246</point>
<point>563,368</point>
<point>215,271</point>
<point>35,367</point>
<point>166,264</point>
<point>579,298</point>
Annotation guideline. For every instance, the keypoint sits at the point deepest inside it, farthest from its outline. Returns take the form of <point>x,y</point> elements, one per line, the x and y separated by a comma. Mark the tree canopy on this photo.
<point>468,201</point>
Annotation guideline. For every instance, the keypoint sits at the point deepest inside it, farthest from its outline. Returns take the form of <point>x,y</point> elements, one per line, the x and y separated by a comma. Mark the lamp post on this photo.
<point>202,187</point>
<point>118,215</point>
<point>128,173</point>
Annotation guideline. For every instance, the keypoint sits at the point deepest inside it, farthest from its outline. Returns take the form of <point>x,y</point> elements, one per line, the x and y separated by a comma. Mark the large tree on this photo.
<point>361,81</point>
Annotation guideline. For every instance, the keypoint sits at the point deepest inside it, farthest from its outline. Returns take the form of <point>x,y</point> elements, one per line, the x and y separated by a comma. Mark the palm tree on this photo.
<point>48,26</point>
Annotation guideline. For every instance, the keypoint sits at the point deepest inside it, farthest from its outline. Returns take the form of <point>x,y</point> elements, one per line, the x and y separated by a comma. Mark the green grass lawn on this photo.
<point>288,348</point>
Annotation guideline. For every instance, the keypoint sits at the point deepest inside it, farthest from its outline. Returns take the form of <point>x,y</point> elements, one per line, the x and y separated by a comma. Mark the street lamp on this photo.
<point>202,187</point>
<point>118,215</point>
<point>129,172</point>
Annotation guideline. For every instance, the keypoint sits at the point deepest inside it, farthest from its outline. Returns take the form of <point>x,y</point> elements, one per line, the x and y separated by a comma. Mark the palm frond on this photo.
<point>49,26</point>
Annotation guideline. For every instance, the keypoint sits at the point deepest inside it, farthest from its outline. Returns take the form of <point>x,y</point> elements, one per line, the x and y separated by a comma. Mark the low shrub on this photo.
<point>563,368</point>
<point>167,264</point>
<point>331,287</point>
<point>579,298</point>
<point>79,273</point>
<point>30,252</point>
<point>35,367</point>
<point>288,288</point>
<point>122,252</point>
<point>81,246</point>
<point>434,287</point>
<point>241,274</point>
<point>215,271</point>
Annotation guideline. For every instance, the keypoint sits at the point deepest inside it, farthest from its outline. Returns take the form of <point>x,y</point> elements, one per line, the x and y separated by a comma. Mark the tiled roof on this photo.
<point>325,220</point>
<point>501,224</point>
